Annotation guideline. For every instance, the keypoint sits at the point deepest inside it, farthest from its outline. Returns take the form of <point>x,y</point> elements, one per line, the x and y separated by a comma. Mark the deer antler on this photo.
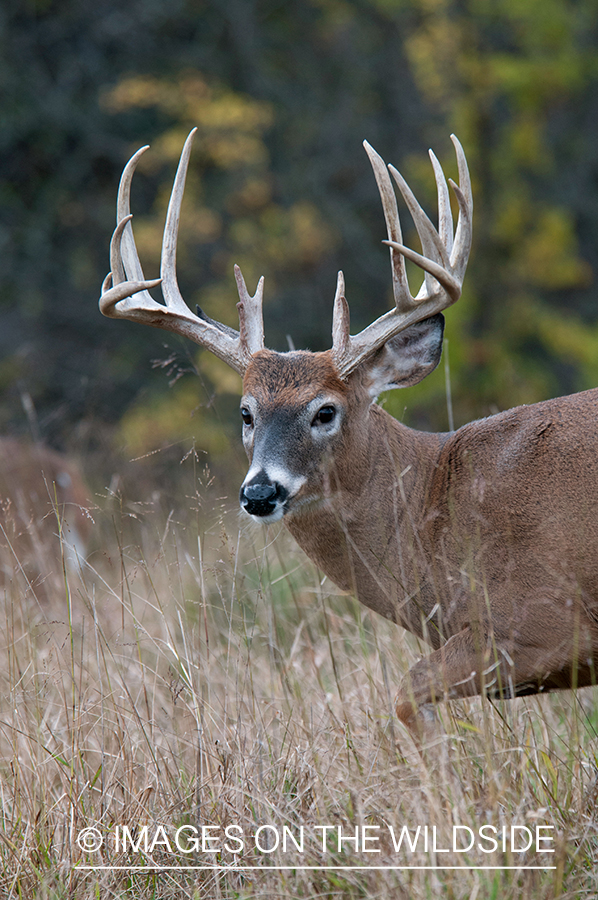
<point>444,261</point>
<point>125,290</point>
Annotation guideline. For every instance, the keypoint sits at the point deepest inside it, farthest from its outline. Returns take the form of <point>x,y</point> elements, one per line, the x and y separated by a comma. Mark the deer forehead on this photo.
<point>292,379</point>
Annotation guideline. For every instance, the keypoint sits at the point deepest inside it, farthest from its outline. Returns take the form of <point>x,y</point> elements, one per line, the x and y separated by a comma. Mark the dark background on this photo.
<point>284,94</point>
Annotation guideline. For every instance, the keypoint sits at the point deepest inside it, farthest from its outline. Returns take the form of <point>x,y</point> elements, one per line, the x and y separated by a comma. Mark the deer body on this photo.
<point>483,542</point>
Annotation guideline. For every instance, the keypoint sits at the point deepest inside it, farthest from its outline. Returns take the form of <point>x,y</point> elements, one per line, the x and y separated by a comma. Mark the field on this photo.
<point>199,696</point>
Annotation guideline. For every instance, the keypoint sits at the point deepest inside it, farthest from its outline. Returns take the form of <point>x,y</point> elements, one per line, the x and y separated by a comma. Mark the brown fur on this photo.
<point>484,542</point>
<point>280,379</point>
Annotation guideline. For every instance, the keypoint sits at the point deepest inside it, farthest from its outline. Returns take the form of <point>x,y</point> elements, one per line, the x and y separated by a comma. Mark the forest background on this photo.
<point>283,95</point>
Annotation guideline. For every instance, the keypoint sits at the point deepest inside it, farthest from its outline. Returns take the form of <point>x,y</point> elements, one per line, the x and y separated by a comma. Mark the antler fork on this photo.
<point>125,290</point>
<point>444,261</point>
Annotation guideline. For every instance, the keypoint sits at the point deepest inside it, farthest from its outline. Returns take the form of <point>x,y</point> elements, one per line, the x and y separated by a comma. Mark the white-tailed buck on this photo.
<point>483,541</point>
<point>43,513</point>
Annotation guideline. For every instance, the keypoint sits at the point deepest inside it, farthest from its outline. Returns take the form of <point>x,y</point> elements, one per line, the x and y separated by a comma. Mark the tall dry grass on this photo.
<point>198,672</point>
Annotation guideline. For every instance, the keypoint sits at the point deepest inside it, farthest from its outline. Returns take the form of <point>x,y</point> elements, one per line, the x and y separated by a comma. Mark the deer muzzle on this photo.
<point>263,498</point>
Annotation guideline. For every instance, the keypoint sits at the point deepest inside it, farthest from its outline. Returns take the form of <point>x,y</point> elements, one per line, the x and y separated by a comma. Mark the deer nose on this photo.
<point>262,497</point>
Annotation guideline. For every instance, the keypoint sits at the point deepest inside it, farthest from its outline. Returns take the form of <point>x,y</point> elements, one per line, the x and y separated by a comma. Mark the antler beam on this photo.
<point>444,260</point>
<point>125,289</point>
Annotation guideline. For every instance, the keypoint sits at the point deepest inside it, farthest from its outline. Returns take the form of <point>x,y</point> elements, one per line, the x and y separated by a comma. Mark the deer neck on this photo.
<point>368,534</point>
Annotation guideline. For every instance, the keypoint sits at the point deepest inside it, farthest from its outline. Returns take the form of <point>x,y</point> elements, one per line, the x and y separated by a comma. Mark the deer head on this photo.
<point>302,411</point>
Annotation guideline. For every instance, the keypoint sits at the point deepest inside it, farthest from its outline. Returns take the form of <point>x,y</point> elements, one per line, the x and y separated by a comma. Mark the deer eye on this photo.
<point>246,416</point>
<point>324,416</point>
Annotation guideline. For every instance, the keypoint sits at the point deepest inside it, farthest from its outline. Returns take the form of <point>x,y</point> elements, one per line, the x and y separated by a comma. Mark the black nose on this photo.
<point>261,497</point>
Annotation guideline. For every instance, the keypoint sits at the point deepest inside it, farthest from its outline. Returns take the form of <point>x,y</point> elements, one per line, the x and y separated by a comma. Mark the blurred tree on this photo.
<point>230,216</point>
<point>59,162</point>
<point>511,78</point>
<point>283,95</point>
<point>63,144</point>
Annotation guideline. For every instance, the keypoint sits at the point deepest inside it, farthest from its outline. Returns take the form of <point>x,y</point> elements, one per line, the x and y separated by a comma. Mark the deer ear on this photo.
<point>405,359</point>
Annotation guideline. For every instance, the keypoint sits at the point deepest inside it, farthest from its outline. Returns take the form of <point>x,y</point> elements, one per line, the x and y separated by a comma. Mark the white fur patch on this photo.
<point>276,516</point>
<point>291,483</point>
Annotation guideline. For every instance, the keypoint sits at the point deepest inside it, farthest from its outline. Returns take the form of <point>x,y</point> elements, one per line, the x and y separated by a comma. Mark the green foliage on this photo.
<point>257,232</point>
<point>238,211</point>
<point>282,96</point>
<point>501,75</point>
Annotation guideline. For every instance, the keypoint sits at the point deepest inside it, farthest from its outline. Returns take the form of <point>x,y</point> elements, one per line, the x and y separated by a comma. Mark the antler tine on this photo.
<point>170,287</point>
<point>430,239</point>
<point>126,273</point>
<point>122,288</point>
<point>340,318</point>
<point>251,323</point>
<point>125,290</point>
<point>124,261</point>
<point>116,261</point>
<point>445,216</point>
<point>443,261</point>
<point>462,245</point>
<point>400,285</point>
<point>130,265</point>
<point>451,285</point>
